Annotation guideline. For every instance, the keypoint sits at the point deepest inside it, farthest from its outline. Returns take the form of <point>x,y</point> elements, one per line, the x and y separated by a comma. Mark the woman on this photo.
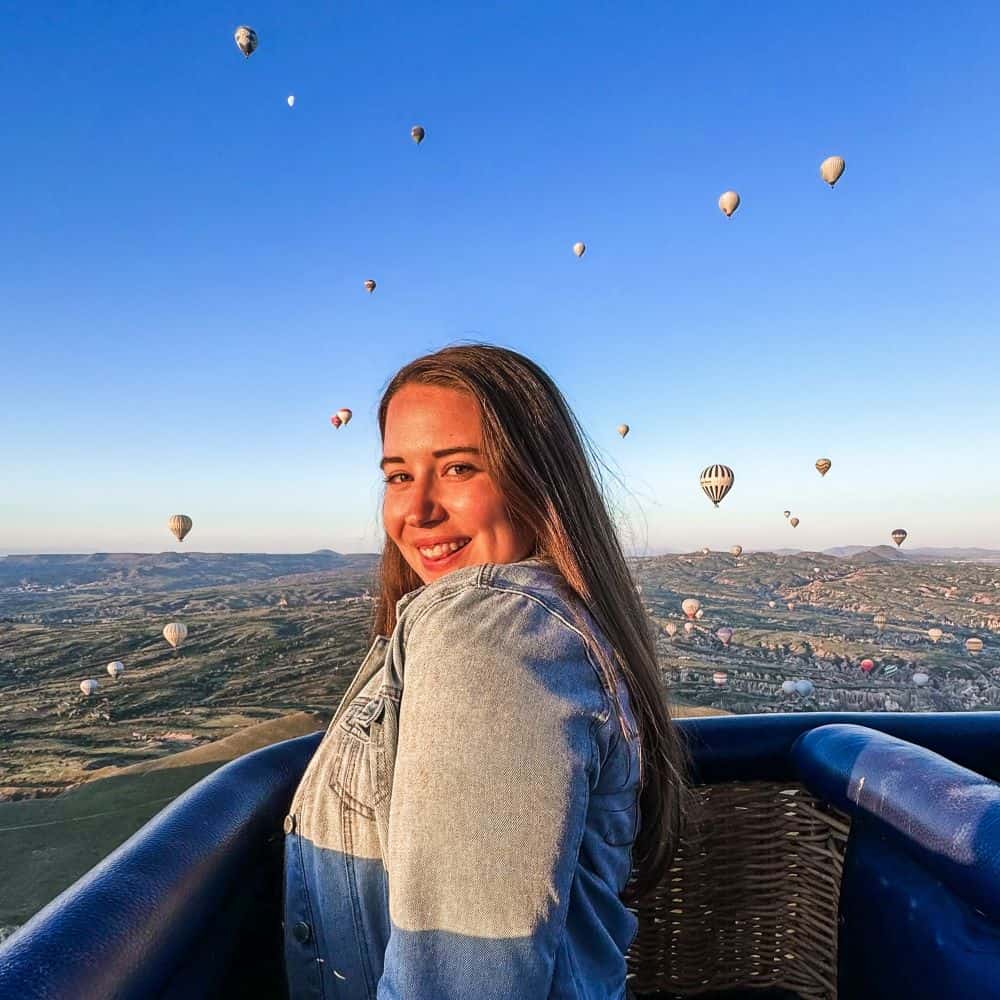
<point>467,827</point>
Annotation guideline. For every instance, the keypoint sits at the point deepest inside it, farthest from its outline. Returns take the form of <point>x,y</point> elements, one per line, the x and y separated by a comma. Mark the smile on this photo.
<point>440,553</point>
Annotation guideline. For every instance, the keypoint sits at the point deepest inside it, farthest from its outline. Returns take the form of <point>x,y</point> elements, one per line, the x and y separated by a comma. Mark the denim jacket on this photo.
<point>465,828</point>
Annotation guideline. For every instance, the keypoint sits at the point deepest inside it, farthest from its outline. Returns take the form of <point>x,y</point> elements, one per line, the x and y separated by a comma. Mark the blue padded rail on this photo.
<point>920,896</point>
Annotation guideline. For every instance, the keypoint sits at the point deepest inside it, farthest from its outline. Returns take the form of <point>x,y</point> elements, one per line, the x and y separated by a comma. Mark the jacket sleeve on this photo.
<point>496,758</point>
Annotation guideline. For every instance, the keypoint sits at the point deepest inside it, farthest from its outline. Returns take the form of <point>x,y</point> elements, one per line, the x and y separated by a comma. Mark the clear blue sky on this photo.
<point>182,258</point>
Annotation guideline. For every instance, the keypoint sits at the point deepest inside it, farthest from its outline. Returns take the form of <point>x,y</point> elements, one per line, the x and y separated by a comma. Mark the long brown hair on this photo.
<point>535,449</point>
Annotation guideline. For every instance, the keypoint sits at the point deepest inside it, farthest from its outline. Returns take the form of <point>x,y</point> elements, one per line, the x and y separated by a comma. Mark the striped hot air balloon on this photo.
<point>934,634</point>
<point>974,645</point>
<point>823,465</point>
<point>719,678</point>
<point>717,481</point>
<point>899,536</point>
<point>175,633</point>
<point>880,618</point>
<point>180,525</point>
<point>831,169</point>
<point>671,629</point>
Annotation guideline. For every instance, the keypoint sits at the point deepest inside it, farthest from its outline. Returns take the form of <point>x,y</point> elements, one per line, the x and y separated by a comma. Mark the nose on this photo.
<point>422,506</point>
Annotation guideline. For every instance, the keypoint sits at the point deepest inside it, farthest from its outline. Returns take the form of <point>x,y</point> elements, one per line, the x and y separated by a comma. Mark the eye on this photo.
<point>460,465</point>
<point>392,478</point>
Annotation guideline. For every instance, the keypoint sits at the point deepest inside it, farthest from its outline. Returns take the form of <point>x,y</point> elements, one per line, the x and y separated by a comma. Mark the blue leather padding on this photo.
<point>946,818</point>
<point>757,747</point>
<point>903,934</point>
<point>168,914</point>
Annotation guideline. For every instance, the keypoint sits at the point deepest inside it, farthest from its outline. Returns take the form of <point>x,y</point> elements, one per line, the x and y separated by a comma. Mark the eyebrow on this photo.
<point>389,459</point>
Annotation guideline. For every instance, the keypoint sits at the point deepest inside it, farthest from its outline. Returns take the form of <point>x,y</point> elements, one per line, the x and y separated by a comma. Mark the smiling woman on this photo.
<point>502,779</point>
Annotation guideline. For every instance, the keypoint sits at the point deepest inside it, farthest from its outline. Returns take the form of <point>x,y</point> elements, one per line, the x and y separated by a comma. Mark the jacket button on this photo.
<point>302,932</point>
<point>289,824</point>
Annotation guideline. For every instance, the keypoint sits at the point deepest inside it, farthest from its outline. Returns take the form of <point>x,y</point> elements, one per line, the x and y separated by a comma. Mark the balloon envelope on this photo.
<point>699,614</point>
<point>831,169</point>
<point>291,100</point>
<point>823,465</point>
<point>344,414</point>
<point>899,536</point>
<point>772,604</point>
<point>717,481</point>
<point>180,525</point>
<point>671,629</point>
<point>370,285</point>
<point>689,627</point>
<point>729,201</point>
<point>725,635</point>
<point>920,679</point>
<point>935,634</point>
<point>736,551</point>
<point>246,40</point>
<point>417,134</point>
<point>974,645</point>
<point>579,249</point>
<point>89,686</point>
<point>623,429</point>
<point>719,677</point>
<point>787,513</point>
<point>690,606</point>
<point>790,606</point>
<point>867,666</point>
<point>880,618</point>
<point>175,633</point>
<point>804,688</point>
<point>788,687</point>
<point>115,669</point>
<point>793,521</point>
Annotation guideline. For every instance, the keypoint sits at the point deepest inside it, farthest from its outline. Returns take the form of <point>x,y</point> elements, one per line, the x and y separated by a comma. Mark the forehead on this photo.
<point>430,417</point>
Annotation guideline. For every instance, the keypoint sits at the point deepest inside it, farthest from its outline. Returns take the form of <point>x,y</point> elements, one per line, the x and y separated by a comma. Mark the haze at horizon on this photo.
<point>182,261</point>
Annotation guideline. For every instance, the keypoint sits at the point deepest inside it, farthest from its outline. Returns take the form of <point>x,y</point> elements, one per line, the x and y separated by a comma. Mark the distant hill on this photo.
<point>872,553</point>
<point>166,571</point>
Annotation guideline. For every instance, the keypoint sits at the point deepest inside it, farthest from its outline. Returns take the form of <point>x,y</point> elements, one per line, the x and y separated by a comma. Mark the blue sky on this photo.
<point>182,258</point>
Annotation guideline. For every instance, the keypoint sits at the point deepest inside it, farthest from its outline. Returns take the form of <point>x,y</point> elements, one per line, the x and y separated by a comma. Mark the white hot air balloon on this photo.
<point>831,169</point>
<point>729,201</point>
<point>623,429</point>
<point>934,634</point>
<point>788,687</point>
<point>772,604</point>
<point>920,678</point>
<point>689,627</point>
<point>699,614</point>
<point>89,686</point>
<point>115,669</point>
<point>671,629</point>
<point>690,606</point>
<point>175,633</point>
<point>291,100</point>
<point>579,249</point>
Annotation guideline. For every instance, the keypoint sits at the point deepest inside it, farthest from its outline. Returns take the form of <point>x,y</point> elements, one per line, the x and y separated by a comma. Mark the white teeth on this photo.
<point>437,551</point>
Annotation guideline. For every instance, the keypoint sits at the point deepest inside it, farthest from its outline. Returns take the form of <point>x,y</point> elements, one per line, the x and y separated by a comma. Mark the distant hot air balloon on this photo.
<point>920,678</point>
<point>623,429</point>
<point>115,669</point>
<point>974,645</point>
<point>246,40</point>
<point>717,481</point>
<point>804,688</point>
<point>579,249</point>
<point>729,201</point>
<point>175,633</point>
<point>690,606</point>
<point>689,627</point>
<point>787,513</point>
<point>772,604</point>
<point>724,635</point>
<point>417,134</point>
<point>291,100</point>
<point>671,629</point>
<point>831,169</point>
<point>89,686</point>
<point>342,416</point>
<point>736,551</point>
<point>180,525</point>
<point>793,521</point>
<point>370,285</point>
<point>790,606</point>
<point>880,618</point>
<point>823,465</point>
<point>705,551</point>
<point>719,678</point>
<point>699,614</point>
<point>867,666</point>
<point>934,634</point>
<point>788,687</point>
<point>899,536</point>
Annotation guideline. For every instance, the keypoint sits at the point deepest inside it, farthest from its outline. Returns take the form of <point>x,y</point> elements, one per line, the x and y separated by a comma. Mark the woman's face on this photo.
<point>442,508</point>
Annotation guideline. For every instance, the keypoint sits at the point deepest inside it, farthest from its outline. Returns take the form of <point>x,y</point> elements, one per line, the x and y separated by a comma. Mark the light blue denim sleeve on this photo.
<point>495,762</point>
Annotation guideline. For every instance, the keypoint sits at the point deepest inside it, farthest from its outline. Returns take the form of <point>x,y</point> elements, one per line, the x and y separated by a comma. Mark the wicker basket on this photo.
<point>751,900</point>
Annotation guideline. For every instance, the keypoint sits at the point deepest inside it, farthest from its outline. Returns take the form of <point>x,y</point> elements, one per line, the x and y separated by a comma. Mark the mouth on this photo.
<point>440,555</point>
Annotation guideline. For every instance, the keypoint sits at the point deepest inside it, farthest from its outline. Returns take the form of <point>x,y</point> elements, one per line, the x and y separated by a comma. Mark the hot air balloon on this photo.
<point>920,678</point>
<point>345,415</point>
<point>115,669</point>
<point>724,635</point>
<point>689,627</point>
<point>934,634</point>
<point>175,633</point>
<point>831,169</point>
<point>729,201</point>
<point>246,40</point>
<point>417,134</point>
<point>89,686</point>
<point>719,678</point>
<point>974,645</point>
<point>699,614</point>
<point>867,666</point>
<point>804,688</point>
<point>790,606</point>
<point>690,606</point>
<point>772,604</point>
<point>717,481</point>
<point>787,513</point>
<point>671,629</point>
<point>880,618</point>
<point>623,429</point>
<point>899,536</point>
<point>793,521</point>
<point>788,687</point>
<point>370,285</point>
<point>736,551</point>
<point>180,525</point>
<point>823,465</point>
<point>579,249</point>
<point>291,100</point>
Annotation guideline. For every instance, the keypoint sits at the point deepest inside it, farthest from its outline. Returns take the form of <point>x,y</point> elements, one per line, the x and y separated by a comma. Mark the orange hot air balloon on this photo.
<point>831,169</point>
